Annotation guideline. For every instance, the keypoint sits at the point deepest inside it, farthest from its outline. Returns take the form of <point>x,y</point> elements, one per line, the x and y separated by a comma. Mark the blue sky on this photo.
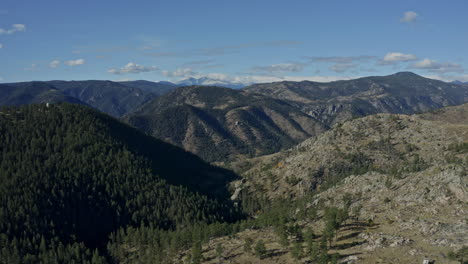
<point>241,41</point>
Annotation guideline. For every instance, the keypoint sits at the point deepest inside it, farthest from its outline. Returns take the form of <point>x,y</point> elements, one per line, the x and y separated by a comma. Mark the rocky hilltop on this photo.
<point>385,143</point>
<point>402,178</point>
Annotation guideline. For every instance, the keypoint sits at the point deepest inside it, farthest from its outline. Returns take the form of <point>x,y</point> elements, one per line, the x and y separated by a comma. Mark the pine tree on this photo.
<point>260,249</point>
<point>283,236</point>
<point>196,255</point>
<point>219,251</point>
<point>314,251</point>
<point>296,250</point>
<point>248,245</point>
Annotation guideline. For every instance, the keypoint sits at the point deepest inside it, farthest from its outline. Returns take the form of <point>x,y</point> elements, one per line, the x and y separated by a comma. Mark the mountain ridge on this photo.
<point>334,102</point>
<point>218,122</point>
<point>33,93</point>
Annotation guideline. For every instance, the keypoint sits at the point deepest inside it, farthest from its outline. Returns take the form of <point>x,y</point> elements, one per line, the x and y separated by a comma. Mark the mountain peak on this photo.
<point>406,74</point>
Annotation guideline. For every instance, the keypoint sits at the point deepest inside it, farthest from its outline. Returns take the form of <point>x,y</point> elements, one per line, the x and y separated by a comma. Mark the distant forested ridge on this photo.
<point>113,98</point>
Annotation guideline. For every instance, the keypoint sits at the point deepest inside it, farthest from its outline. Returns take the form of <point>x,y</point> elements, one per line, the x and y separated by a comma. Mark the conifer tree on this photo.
<point>260,249</point>
<point>248,242</point>
<point>296,250</point>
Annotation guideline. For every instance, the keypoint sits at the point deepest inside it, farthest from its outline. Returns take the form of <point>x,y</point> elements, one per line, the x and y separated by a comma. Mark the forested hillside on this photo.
<point>157,88</point>
<point>70,176</point>
<point>109,97</point>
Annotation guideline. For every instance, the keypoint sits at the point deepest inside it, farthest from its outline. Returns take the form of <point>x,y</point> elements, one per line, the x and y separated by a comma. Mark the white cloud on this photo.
<point>54,64</point>
<point>14,28</point>
<point>434,66</point>
<point>281,67</point>
<point>1,46</point>
<point>75,62</point>
<point>395,57</point>
<point>409,17</point>
<point>132,68</point>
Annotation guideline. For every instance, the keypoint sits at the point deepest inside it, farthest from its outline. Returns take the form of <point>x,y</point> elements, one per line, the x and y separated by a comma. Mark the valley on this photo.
<point>372,170</point>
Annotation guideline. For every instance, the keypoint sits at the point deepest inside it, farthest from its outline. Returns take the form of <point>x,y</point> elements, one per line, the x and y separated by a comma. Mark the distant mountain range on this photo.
<point>222,124</point>
<point>110,97</point>
<point>114,98</point>
<point>459,82</point>
<point>333,102</point>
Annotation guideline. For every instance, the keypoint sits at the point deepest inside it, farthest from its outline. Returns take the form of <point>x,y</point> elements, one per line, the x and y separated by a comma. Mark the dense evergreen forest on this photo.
<point>72,178</point>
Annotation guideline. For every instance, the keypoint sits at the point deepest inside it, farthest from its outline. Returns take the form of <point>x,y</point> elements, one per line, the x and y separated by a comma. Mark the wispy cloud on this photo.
<point>281,67</point>
<point>396,57</point>
<point>341,63</point>
<point>1,46</point>
<point>434,66</point>
<point>33,67</point>
<point>202,64</point>
<point>198,62</point>
<point>342,67</point>
<point>132,68</point>
<point>54,64</point>
<point>75,62</point>
<point>223,50</point>
<point>14,28</point>
<point>180,73</point>
<point>409,17</point>
<point>341,59</point>
<point>101,49</point>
